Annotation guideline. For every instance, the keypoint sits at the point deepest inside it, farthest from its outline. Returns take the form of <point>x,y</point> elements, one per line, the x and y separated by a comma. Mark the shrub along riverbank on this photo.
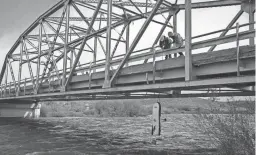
<point>133,108</point>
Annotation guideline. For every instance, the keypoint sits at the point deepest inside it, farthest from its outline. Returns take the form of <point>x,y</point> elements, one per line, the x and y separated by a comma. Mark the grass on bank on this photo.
<point>98,108</point>
<point>132,108</point>
<point>232,133</point>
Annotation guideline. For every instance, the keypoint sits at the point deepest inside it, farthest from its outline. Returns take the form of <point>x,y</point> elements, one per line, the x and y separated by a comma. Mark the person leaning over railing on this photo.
<point>172,40</point>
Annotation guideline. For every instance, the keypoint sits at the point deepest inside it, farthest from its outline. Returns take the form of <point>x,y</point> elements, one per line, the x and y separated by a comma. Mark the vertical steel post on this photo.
<point>175,23</point>
<point>25,80</point>
<point>9,89</point>
<point>12,73</point>
<point>147,78</point>
<point>71,53</point>
<point>39,56</point>
<point>90,76</point>
<point>71,58</point>
<point>175,28</point>
<point>65,48</point>
<point>20,65</point>
<point>188,55</point>
<point>108,46</point>
<point>154,65</point>
<point>1,90</point>
<point>127,41</point>
<point>6,78</point>
<point>237,49</point>
<point>146,8</point>
<point>95,52</point>
<point>251,21</point>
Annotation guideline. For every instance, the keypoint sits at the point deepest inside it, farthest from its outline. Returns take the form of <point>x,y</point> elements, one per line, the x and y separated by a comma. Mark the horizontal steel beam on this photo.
<point>210,4</point>
<point>80,19</point>
<point>141,88</point>
<point>198,5</point>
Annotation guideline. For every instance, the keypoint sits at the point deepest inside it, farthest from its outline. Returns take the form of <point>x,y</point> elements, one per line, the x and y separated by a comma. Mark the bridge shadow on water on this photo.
<point>75,136</point>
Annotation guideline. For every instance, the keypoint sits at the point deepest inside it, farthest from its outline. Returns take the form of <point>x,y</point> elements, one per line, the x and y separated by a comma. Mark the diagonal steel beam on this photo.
<point>228,27</point>
<point>84,41</point>
<point>66,50</point>
<point>160,34</point>
<point>53,29</point>
<point>117,43</point>
<point>13,77</point>
<point>3,70</point>
<point>136,40</point>
<point>29,66</point>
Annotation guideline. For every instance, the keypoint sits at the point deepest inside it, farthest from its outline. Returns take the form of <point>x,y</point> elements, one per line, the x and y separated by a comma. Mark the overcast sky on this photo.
<point>15,18</point>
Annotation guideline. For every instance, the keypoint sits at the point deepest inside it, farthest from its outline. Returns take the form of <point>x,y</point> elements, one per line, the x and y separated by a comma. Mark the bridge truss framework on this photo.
<point>50,52</point>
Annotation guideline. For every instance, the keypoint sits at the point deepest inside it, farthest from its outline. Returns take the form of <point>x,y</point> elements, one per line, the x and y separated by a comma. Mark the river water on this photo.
<point>95,135</point>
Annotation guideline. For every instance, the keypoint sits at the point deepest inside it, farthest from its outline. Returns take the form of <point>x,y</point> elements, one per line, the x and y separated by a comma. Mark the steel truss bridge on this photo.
<point>84,49</point>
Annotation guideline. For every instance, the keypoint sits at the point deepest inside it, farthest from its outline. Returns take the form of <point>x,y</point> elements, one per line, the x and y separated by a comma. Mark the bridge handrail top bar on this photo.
<point>221,30</point>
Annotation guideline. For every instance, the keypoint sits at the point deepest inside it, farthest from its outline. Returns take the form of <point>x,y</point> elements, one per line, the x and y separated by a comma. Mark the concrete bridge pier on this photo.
<point>20,109</point>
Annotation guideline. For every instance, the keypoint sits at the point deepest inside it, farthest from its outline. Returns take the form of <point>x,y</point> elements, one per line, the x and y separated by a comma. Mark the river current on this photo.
<point>96,135</point>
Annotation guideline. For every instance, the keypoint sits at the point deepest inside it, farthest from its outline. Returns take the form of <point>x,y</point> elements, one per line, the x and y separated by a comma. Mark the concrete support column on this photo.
<point>22,110</point>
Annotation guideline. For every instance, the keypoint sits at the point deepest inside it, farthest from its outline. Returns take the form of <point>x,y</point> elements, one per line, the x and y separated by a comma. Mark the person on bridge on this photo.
<point>172,40</point>
<point>165,43</point>
<point>177,41</point>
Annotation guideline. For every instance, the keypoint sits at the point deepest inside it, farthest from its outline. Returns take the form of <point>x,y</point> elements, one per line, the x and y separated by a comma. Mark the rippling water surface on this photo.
<point>93,135</point>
